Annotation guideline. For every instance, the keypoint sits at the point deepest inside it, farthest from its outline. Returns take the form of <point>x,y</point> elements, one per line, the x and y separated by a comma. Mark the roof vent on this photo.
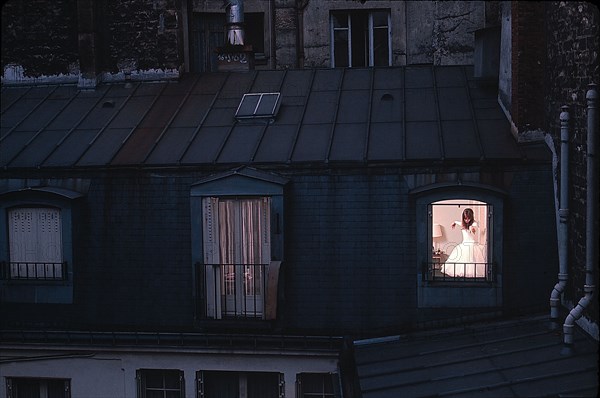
<point>258,105</point>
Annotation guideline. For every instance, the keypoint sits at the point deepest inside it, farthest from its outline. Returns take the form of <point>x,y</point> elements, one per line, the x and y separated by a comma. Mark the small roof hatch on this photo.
<point>258,105</point>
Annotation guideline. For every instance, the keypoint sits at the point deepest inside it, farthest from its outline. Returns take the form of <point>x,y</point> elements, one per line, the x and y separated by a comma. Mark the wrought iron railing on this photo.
<point>231,290</point>
<point>458,272</point>
<point>38,271</point>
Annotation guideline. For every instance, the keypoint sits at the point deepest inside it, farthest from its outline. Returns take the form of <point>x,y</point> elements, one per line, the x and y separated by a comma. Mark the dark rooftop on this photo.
<point>416,113</point>
<point>521,357</point>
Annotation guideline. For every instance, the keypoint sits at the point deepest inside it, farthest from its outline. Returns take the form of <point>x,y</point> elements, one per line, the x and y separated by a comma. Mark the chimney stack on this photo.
<point>235,55</point>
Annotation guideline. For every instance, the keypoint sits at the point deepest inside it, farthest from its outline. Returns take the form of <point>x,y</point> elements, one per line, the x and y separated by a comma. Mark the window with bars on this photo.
<point>35,244</point>
<point>237,242</point>
<point>360,38</point>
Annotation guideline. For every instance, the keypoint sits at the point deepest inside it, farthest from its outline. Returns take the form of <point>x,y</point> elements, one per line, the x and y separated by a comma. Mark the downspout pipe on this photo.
<point>563,215</point>
<point>591,232</point>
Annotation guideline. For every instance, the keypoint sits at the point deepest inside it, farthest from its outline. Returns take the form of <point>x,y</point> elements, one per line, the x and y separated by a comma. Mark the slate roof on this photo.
<point>521,357</point>
<point>415,113</point>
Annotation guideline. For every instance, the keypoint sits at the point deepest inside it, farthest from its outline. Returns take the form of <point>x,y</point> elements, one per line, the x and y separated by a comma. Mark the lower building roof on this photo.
<point>521,357</point>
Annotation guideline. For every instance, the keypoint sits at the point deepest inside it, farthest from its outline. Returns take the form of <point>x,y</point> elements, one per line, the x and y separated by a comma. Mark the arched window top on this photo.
<point>457,189</point>
<point>241,181</point>
<point>56,192</point>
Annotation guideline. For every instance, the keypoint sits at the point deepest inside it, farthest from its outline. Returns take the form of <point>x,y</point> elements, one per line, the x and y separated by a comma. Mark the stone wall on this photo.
<point>39,39</point>
<point>573,63</point>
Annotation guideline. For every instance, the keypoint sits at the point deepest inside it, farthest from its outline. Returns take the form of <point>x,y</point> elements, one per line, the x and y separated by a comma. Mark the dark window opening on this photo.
<point>29,387</point>
<point>360,38</point>
<point>160,383</point>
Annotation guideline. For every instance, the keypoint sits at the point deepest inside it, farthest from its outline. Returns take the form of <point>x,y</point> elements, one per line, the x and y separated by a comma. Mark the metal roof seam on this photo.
<point>438,114</point>
<point>201,123</point>
<point>16,99</point>
<point>134,128</point>
<point>369,115</point>
<point>304,106</point>
<point>473,117</point>
<point>70,131</point>
<point>110,119</point>
<point>40,130</point>
<point>29,113</point>
<point>335,116</point>
<point>267,123</point>
<point>172,118</point>
<point>235,122</point>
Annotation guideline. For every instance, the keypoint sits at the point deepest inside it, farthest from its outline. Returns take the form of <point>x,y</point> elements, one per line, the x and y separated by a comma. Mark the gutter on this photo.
<point>563,215</point>
<point>591,232</point>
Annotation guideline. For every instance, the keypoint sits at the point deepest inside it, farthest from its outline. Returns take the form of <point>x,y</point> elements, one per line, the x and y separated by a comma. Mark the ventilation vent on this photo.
<point>258,105</point>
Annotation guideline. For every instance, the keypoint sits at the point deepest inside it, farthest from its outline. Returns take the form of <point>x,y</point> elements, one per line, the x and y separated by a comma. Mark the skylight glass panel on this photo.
<point>258,105</point>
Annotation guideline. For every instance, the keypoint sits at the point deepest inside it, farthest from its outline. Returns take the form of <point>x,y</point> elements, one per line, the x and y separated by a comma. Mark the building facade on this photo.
<point>183,219</point>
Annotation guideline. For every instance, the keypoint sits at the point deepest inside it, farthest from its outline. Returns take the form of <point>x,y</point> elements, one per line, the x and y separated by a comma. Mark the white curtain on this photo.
<point>237,238</point>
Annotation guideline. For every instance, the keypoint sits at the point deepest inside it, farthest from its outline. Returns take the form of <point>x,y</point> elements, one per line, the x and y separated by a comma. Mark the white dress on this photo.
<point>468,258</point>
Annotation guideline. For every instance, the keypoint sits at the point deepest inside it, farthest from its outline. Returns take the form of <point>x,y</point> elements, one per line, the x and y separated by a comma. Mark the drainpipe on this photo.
<point>591,232</point>
<point>563,214</point>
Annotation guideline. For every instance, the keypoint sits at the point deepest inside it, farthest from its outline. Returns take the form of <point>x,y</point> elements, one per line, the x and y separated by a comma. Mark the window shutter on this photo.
<point>210,235</point>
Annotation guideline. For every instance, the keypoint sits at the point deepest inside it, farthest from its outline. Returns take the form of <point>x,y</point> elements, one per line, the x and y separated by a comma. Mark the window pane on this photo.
<point>221,385</point>
<point>360,40</point>
<point>340,20</point>
<point>316,385</point>
<point>263,385</point>
<point>26,388</point>
<point>340,48</point>
<point>380,47</point>
<point>153,379</point>
<point>380,18</point>
<point>56,388</point>
<point>459,233</point>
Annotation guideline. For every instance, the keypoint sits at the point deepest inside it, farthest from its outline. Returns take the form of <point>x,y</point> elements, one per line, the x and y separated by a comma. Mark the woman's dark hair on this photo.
<point>467,212</point>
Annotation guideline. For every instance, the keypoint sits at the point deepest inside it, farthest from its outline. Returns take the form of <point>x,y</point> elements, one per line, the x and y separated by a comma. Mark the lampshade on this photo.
<point>436,231</point>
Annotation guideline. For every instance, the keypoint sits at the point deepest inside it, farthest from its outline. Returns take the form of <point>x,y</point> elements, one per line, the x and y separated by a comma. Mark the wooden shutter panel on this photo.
<point>210,244</point>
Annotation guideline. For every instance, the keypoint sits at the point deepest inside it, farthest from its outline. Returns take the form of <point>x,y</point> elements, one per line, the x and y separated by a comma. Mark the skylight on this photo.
<point>258,105</point>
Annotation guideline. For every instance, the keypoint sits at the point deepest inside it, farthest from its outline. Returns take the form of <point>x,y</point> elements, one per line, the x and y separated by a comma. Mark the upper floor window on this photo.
<point>237,244</point>
<point>459,231</point>
<point>237,254</point>
<point>360,38</point>
<point>35,244</point>
<point>37,233</point>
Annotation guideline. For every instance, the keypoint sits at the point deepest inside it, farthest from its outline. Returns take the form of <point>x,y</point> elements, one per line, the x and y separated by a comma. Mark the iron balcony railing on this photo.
<point>38,271</point>
<point>231,290</point>
<point>458,272</point>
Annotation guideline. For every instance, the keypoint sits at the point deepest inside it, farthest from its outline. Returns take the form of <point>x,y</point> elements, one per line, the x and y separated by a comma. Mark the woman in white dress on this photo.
<point>467,258</point>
